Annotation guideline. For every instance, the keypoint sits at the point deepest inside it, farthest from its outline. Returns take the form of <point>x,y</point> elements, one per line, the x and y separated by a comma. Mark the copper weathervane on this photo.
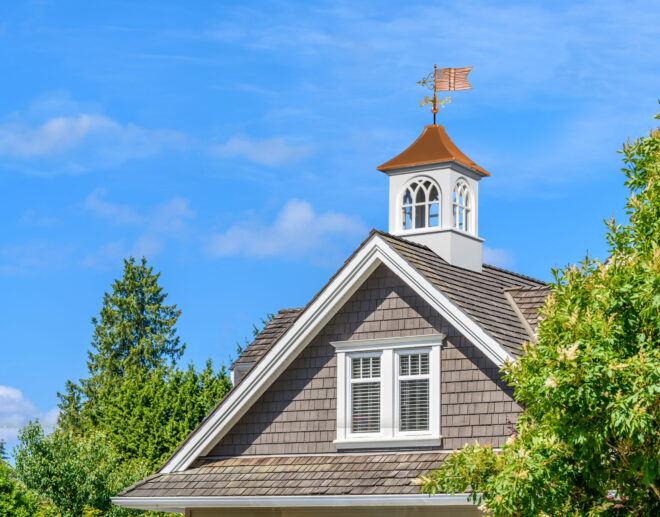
<point>444,80</point>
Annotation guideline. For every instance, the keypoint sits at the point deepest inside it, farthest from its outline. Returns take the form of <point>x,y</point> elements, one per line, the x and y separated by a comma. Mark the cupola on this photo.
<point>434,198</point>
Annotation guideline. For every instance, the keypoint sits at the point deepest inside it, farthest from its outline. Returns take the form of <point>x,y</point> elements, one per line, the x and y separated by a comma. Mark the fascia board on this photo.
<point>375,252</point>
<point>304,501</point>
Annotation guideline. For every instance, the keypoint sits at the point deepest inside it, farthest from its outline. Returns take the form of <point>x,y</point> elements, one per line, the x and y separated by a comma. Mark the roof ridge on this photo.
<point>516,274</point>
<point>292,309</point>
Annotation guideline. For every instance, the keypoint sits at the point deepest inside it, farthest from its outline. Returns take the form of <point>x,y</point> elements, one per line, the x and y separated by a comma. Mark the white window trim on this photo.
<point>388,348</point>
<point>462,189</point>
<point>427,204</point>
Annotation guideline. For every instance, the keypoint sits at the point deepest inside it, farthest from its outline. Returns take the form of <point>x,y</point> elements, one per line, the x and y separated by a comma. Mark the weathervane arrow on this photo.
<point>444,80</point>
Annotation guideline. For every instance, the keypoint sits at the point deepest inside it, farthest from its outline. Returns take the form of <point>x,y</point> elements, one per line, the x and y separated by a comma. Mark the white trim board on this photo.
<point>179,504</point>
<point>374,252</point>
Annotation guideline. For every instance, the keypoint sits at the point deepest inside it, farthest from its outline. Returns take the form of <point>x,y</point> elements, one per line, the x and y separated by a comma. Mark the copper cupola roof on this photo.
<point>432,146</point>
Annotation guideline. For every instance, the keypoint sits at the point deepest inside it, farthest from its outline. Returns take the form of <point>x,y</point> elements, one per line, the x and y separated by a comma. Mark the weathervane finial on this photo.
<point>442,80</point>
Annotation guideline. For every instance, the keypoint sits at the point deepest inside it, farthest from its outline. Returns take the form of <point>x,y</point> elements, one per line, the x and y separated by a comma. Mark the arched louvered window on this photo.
<point>462,201</point>
<point>420,204</point>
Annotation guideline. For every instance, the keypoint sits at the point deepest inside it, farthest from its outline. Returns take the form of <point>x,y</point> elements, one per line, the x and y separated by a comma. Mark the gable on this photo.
<point>297,413</point>
<point>376,250</point>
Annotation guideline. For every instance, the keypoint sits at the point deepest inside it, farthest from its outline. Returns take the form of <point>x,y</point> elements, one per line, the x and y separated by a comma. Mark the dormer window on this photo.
<point>420,204</point>
<point>462,204</point>
<point>388,392</point>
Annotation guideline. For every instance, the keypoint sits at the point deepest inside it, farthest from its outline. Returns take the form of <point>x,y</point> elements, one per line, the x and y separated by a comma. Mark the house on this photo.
<point>339,405</point>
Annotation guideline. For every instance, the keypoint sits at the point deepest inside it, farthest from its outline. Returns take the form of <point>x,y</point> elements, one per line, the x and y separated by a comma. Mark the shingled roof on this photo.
<point>267,337</point>
<point>339,474</point>
<point>479,294</point>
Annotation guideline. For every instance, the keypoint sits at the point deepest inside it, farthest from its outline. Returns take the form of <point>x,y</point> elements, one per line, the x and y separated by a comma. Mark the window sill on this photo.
<point>403,441</point>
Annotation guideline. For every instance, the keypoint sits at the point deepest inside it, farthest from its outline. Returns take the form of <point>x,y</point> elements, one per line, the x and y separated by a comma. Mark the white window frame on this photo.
<point>397,388</point>
<point>462,204</point>
<point>420,180</point>
<point>388,349</point>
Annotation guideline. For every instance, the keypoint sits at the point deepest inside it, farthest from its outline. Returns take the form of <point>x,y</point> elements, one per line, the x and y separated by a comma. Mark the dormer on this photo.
<point>434,198</point>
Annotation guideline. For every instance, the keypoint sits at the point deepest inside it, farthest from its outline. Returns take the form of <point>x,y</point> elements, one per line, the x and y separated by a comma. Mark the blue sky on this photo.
<point>235,145</point>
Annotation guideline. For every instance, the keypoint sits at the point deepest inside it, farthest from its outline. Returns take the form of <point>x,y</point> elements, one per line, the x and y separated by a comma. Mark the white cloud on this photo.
<point>155,226</point>
<point>44,143</point>
<point>297,231</point>
<point>16,411</point>
<point>269,151</point>
<point>499,257</point>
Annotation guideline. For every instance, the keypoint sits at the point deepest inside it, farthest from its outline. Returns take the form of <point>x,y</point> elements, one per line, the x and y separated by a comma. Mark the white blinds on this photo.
<point>414,392</point>
<point>365,394</point>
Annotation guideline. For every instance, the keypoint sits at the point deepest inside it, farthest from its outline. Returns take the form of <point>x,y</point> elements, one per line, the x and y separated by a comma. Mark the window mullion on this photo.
<point>387,394</point>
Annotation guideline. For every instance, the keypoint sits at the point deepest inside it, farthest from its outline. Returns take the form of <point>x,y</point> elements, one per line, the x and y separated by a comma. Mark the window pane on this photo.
<point>356,365</point>
<point>433,215</point>
<point>414,364</point>
<point>375,367</point>
<point>407,197</point>
<point>365,407</point>
<point>365,367</point>
<point>420,197</point>
<point>420,216</point>
<point>424,364</point>
<point>433,195</point>
<point>407,218</point>
<point>414,405</point>
<point>404,365</point>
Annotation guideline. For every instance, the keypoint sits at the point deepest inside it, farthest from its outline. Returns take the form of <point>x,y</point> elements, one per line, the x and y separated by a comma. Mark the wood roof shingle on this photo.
<point>254,476</point>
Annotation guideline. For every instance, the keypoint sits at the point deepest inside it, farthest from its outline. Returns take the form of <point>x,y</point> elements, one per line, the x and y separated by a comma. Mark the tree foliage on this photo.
<point>15,499</point>
<point>588,442</point>
<point>3,450</point>
<point>75,474</point>
<point>135,331</point>
<point>131,411</point>
<point>149,414</point>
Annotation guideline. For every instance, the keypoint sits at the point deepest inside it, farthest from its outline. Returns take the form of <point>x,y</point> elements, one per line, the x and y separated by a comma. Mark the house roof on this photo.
<point>475,297</point>
<point>432,146</point>
<point>254,476</point>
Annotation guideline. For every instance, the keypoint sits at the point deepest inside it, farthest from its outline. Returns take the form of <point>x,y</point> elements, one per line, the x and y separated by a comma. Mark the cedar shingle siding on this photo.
<point>296,415</point>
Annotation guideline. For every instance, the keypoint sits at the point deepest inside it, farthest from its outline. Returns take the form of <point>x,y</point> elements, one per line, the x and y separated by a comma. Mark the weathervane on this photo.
<point>444,80</point>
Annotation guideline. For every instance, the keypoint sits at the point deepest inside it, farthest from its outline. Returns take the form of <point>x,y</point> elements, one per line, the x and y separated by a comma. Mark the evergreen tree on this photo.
<point>135,331</point>
<point>150,413</point>
<point>3,450</point>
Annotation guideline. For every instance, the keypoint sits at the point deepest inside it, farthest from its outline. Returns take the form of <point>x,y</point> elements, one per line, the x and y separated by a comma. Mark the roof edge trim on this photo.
<point>303,501</point>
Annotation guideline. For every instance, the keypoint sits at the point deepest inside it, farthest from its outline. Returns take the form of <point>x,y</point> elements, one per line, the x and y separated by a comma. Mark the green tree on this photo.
<point>15,499</point>
<point>3,450</point>
<point>135,331</point>
<point>74,474</point>
<point>150,413</point>
<point>588,442</point>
